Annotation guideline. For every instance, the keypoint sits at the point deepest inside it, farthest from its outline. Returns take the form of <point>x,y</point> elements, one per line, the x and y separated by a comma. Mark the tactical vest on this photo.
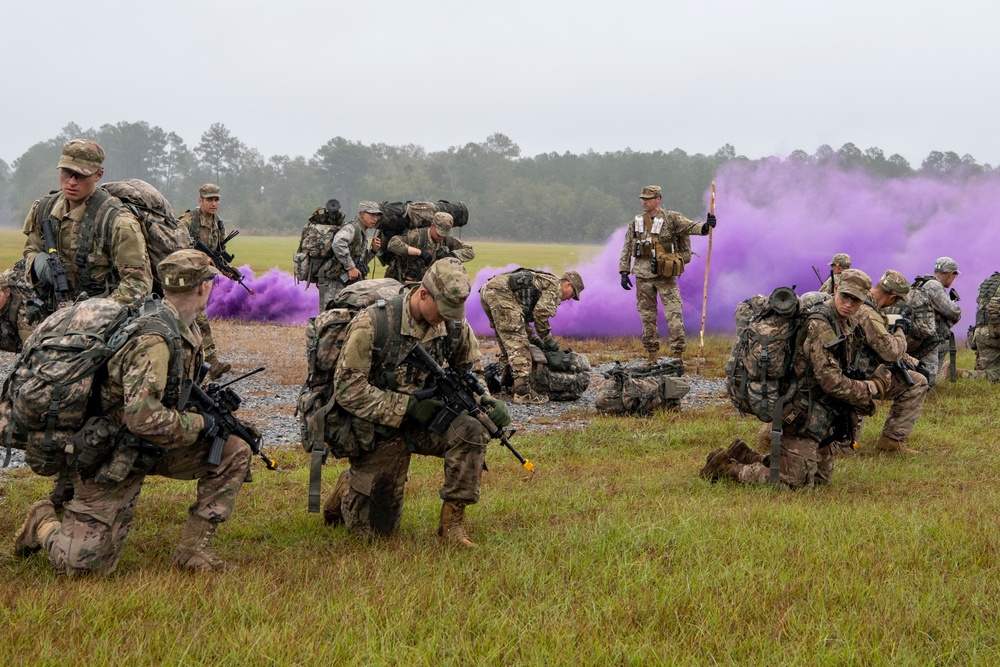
<point>95,236</point>
<point>357,245</point>
<point>411,268</point>
<point>198,223</point>
<point>526,293</point>
<point>669,253</point>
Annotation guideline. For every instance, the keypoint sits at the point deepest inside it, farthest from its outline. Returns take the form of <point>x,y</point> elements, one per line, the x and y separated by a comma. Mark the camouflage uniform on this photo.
<point>373,499</point>
<point>841,260</point>
<point>96,523</point>
<point>210,231</point>
<point>987,341</point>
<point>118,267</point>
<point>407,268</point>
<point>510,318</point>
<point>946,315</point>
<point>14,325</point>
<point>349,251</point>
<point>670,232</point>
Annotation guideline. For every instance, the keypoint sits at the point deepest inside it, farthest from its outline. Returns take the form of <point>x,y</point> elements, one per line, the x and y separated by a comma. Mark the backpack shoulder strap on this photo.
<point>92,227</point>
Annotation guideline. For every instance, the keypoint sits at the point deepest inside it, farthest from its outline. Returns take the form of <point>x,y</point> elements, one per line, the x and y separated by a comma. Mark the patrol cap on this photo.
<point>442,223</point>
<point>448,283</point>
<point>369,207</point>
<point>650,192</point>
<point>208,190</point>
<point>855,283</point>
<point>186,268</point>
<point>894,282</point>
<point>841,259</point>
<point>574,279</point>
<point>945,265</point>
<point>7,278</point>
<point>83,156</point>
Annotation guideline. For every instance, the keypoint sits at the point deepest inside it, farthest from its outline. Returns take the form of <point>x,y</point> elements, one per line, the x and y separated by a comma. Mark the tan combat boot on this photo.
<point>38,524</point>
<point>720,466</point>
<point>332,514</point>
<point>741,452</point>
<point>451,530</point>
<point>890,446</point>
<point>194,551</point>
<point>652,357</point>
<point>525,395</point>
<point>217,368</point>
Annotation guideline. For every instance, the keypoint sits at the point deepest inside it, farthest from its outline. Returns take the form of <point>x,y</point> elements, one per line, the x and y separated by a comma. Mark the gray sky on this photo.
<point>285,77</point>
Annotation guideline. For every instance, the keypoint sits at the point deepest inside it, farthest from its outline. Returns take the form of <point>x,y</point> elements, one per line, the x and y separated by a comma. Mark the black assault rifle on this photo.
<point>458,391</point>
<point>222,260</point>
<point>219,402</point>
<point>57,272</point>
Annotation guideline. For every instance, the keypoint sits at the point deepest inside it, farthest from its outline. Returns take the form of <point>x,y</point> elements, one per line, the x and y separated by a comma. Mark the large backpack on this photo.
<point>51,390</point>
<point>315,252</point>
<point>628,391</point>
<point>160,228</point>
<point>989,289</point>
<point>397,217</point>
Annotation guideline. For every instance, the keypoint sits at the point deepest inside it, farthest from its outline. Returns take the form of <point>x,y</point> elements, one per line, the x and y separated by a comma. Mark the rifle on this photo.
<point>818,276</point>
<point>57,272</point>
<point>220,402</point>
<point>221,260</point>
<point>901,370</point>
<point>952,352</point>
<point>345,277</point>
<point>459,391</point>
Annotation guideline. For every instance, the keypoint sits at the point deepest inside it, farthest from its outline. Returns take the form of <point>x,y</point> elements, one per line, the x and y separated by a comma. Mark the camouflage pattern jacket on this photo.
<point>946,312</point>
<point>137,381</point>
<point>360,393</point>
<point>672,232</point>
<point>118,265</point>
<point>409,268</point>
<point>349,247</point>
<point>209,231</point>
<point>887,347</point>
<point>549,298</point>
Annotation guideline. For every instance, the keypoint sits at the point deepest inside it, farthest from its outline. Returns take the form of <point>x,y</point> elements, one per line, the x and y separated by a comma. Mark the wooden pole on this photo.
<point>704,296</point>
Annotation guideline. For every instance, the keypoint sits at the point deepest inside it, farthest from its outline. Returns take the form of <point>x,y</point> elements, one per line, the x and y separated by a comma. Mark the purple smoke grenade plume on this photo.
<point>278,298</point>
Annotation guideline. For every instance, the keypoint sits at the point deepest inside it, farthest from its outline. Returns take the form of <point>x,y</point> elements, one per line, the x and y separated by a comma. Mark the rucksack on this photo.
<point>562,381</point>
<point>397,217</point>
<point>628,391</point>
<point>315,251</point>
<point>160,228</point>
<point>51,390</point>
<point>989,289</point>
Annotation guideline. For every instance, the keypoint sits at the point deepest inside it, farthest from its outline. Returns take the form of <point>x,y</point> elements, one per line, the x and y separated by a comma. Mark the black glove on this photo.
<point>953,295</point>
<point>444,252</point>
<point>497,410</point>
<point>923,370</point>
<point>423,411</point>
<point>626,283</point>
<point>902,324</point>
<point>550,345</point>
<point>426,257</point>
<point>207,431</point>
<point>711,221</point>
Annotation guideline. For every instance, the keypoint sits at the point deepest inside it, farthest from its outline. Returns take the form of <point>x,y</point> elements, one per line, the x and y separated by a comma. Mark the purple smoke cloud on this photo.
<point>277,298</point>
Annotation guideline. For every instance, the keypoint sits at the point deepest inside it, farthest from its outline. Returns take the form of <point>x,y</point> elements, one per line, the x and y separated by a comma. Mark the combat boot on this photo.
<point>741,452</point>
<point>889,446</point>
<point>720,466</point>
<point>194,551</point>
<point>217,368</point>
<point>652,357</point>
<point>525,395</point>
<point>451,529</point>
<point>38,524</point>
<point>333,515</point>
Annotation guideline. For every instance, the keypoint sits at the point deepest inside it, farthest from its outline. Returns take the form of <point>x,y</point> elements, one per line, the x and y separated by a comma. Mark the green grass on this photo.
<point>615,553</point>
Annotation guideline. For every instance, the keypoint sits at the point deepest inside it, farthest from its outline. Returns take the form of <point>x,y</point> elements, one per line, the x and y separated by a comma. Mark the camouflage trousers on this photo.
<point>932,361</point>
<point>507,319</point>
<point>803,462</point>
<point>907,402</point>
<point>988,352</point>
<point>646,290</point>
<point>207,342</point>
<point>374,499</point>
<point>97,520</point>
<point>329,288</point>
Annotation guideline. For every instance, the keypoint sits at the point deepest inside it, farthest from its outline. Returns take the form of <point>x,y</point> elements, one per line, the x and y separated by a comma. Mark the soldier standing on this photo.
<point>351,256</point>
<point>659,242</point>
<point>415,251</point>
<point>838,264</point>
<point>985,337</point>
<point>100,249</point>
<point>141,394</point>
<point>206,226</point>
<point>391,424</point>
<point>811,419</point>
<point>946,313</point>
<point>515,300</point>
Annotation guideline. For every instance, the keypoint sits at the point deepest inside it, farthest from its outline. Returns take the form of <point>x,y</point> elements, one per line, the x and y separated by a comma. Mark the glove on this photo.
<point>923,370</point>
<point>426,257</point>
<point>626,283</point>
<point>208,430</point>
<point>497,411</point>
<point>423,411</point>
<point>550,345</point>
<point>953,295</point>
<point>711,221</point>
<point>901,324</point>
<point>881,379</point>
<point>444,252</point>
<point>41,268</point>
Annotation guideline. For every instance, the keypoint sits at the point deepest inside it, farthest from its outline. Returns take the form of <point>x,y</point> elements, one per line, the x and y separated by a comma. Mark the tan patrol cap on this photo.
<point>442,223</point>
<point>449,284</point>
<point>651,192</point>
<point>186,268</point>
<point>841,259</point>
<point>894,282</point>
<point>208,190</point>
<point>855,283</point>
<point>83,156</point>
<point>574,279</point>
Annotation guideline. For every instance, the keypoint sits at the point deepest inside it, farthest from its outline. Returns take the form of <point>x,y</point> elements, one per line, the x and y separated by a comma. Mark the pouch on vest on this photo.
<point>670,264</point>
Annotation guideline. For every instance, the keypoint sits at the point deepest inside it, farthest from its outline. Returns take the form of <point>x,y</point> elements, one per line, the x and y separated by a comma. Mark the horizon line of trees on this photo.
<point>578,198</point>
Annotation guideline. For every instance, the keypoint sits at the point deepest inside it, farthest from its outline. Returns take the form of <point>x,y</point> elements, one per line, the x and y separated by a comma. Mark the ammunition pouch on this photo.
<point>91,444</point>
<point>670,264</point>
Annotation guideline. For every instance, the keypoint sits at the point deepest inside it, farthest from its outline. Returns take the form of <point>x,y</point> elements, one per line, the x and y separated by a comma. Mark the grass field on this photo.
<point>615,553</point>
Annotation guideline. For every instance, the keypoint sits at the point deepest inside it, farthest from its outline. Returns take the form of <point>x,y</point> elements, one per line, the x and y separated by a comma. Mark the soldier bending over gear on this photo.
<point>512,302</point>
<point>825,404</point>
<point>415,251</point>
<point>91,535</point>
<point>388,424</point>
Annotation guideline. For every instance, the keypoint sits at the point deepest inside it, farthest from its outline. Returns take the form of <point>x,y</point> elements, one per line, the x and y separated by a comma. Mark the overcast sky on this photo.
<point>285,77</point>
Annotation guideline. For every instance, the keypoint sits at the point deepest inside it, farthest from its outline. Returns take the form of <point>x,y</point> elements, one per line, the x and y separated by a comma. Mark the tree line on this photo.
<point>575,198</point>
